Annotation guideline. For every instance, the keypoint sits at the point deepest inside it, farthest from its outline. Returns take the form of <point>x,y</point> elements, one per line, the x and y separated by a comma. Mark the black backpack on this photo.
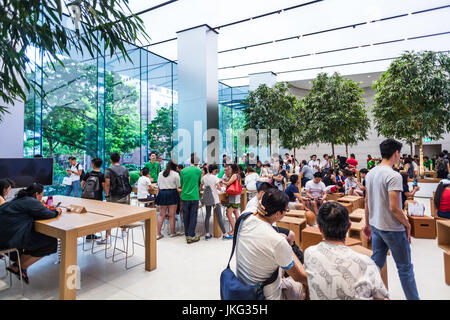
<point>120,185</point>
<point>91,187</point>
<point>83,174</point>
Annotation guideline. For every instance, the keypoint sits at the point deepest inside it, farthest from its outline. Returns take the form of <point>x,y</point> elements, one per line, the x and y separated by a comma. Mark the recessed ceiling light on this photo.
<point>368,76</point>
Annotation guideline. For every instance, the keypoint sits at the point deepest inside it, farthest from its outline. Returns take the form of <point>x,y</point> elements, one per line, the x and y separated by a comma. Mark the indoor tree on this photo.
<point>413,98</point>
<point>335,112</point>
<point>272,108</point>
<point>105,26</point>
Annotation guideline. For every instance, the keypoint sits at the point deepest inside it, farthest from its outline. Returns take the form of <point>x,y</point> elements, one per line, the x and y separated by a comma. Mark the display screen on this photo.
<point>25,172</point>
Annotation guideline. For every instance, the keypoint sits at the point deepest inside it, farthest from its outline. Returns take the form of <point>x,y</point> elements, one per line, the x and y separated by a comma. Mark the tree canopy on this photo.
<point>106,26</point>
<point>335,111</point>
<point>413,98</point>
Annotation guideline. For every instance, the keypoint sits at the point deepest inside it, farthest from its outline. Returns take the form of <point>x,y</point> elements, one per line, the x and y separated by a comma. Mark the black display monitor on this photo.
<point>26,171</point>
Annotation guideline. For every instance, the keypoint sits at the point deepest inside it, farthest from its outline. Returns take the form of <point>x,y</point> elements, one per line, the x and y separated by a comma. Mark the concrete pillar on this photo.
<point>197,91</point>
<point>12,131</point>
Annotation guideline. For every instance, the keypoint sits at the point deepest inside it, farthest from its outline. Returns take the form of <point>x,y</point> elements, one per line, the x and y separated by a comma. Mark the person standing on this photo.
<point>75,174</point>
<point>386,223</point>
<point>352,162</point>
<point>117,186</point>
<point>190,178</point>
<point>168,198</point>
<point>306,173</point>
<point>154,167</point>
<point>314,164</point>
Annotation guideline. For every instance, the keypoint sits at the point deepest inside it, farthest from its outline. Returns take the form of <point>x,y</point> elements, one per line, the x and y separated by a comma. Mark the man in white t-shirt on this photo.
<point>75,172</point>
<point>261,251</point>
<point>316,192</point>
<point>314,164</point>
<point>335,271</point>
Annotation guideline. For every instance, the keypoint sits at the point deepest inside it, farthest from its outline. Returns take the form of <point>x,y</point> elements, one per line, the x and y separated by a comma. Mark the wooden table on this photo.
<point>100,216</point>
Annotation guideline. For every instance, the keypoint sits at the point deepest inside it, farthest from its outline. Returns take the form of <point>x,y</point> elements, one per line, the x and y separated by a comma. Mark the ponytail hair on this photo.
<point>30,191</point>
<point>171,166</point>
<point>438,194</point>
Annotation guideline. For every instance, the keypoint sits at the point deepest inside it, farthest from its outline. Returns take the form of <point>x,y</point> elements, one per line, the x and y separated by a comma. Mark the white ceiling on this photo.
<point>365,80</point>
<point>164,22</point>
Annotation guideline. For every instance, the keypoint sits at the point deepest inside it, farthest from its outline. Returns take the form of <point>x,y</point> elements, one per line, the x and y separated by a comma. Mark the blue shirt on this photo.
<point>290,192</point>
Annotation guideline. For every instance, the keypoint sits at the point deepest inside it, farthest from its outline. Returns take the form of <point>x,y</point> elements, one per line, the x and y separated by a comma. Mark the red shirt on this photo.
<point>352,162</point>
<point>444,206</point>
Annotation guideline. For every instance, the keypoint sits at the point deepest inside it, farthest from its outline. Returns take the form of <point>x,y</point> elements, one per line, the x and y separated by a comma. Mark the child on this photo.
<point>350,183</point>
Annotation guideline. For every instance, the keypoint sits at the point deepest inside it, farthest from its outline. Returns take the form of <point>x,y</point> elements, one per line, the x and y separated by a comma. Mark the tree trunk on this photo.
<point>332,149</point>
<point>411,148</point>
<point>346,150</point>
<point>421,167</point>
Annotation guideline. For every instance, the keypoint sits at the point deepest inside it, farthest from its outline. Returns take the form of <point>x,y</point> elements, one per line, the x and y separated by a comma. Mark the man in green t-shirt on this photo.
<point>134,176</point>
<point>153,166</point>
<point>427,162</point>
<point>190,179</point>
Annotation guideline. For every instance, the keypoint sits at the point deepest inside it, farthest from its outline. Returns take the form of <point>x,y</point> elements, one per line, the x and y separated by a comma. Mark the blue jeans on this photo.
<point>76,187</point>
<point>398,243</point>
<point>190,212</point>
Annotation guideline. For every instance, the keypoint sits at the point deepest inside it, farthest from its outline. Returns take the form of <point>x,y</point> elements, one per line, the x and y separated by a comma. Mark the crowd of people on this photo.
<point>265,252</point>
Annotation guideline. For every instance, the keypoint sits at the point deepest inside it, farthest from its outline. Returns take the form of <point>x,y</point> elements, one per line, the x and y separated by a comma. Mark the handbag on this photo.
<point>235,188</point>
<point>231,288</point>
<point>416,209</point>
<point>208,197</point>
<point>67,181</point>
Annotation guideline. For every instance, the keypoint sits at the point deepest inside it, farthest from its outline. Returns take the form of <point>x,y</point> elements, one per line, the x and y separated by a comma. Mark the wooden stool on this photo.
<point>356,201</point>
<point>443,234</point>
<point>347,205</point>
<point>356,232</point>
<point>447,267</point>
<point>334,196</point>
<point>310,237</point>
<point>296,213</point>
<point>296,225</point>
<point>422,227</point>
<point>358,215</point>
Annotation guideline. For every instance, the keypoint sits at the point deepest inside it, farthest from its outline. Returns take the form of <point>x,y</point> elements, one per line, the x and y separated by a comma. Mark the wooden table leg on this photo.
<point>243,201</point>
<point>217,230</point>
<point>150,243</point>
<point>68,270</point>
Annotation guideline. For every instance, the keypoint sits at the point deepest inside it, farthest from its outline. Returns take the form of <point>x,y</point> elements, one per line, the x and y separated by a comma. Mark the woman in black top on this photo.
<point>406,194</point>
<point>17,219</point>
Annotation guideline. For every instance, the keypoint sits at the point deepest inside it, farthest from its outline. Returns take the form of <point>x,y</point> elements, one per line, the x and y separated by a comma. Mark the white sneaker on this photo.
<point>176,234</point>
<point>103,241</point>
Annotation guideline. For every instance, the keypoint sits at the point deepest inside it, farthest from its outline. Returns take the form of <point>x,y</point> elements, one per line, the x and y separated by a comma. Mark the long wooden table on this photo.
<point>100,216</point>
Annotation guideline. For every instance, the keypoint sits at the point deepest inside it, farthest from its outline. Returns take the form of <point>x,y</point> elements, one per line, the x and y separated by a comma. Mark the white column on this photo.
<point>12,131</point>
<point>197,87</point>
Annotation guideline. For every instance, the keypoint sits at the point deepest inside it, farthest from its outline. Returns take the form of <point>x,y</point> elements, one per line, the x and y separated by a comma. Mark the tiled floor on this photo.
<point>192,272</point>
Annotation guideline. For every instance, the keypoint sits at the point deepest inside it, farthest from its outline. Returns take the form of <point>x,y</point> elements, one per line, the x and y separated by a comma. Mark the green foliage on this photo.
<point>105,27</point>
<point>160,132</point>
<point>132,167</point>
<point>413,97</point>
<point>273,109</point>
<point>69,112</point>
<point>335,111</point>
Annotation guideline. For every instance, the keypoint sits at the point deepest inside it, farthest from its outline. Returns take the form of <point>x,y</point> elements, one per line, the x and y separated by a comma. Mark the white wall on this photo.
<point>362,149</point>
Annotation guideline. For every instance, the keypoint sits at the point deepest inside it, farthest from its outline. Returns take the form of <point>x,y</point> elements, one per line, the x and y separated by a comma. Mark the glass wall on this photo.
<point>91,107</point>
<point>232,120</point>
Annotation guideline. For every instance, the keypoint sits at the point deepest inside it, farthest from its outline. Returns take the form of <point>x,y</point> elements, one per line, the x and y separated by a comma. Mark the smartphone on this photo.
<point>49,201</point>
<point>415,183</point>
<point>59,203</point>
